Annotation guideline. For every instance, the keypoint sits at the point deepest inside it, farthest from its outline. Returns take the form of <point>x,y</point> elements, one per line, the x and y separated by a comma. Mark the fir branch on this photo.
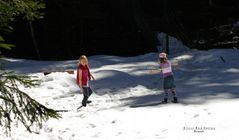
<point>18,105</point>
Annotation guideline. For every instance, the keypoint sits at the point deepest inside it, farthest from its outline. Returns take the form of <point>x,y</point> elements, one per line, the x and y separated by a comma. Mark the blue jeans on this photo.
<point>86,92</point>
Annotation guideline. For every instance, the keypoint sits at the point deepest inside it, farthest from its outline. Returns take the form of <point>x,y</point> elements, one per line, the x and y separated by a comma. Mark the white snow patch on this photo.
<point>207,89</point>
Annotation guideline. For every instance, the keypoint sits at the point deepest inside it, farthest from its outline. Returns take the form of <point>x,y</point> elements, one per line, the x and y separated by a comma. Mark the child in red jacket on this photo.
<point>82,79</point>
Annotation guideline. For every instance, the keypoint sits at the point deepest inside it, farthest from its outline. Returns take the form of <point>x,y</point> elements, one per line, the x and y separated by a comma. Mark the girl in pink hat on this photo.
<point>168,79</point>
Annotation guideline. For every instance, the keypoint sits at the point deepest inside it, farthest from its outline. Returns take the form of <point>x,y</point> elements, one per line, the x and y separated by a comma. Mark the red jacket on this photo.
<point>85,72</point>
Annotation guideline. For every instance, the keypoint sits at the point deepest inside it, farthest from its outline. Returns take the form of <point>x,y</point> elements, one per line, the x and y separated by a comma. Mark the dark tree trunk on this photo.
<point>210,2</point>
<point>34,40</point>
<point>142,24</point>
<point>167,44</point>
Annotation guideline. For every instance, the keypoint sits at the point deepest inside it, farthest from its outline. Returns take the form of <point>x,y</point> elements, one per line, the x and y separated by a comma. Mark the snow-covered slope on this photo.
<point>207,85</point>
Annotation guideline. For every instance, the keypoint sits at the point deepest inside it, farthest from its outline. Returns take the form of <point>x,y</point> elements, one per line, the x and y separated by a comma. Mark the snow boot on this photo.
<point>175,100</point>
<point>84,104</point>
<point>165,100</point>
<point>88,102</point>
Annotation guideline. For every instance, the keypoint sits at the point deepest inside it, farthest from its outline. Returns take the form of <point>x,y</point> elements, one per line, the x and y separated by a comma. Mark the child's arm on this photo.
<point>92,77</point>
<point>155,71</point>
<point>175,63</point>
<point>80,81</point>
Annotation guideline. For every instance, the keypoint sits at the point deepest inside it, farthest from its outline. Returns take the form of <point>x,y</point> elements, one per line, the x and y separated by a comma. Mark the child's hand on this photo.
<point>81,90</point>
<point>175,63</point>
<point>151,71</point>
<point>92,77</point>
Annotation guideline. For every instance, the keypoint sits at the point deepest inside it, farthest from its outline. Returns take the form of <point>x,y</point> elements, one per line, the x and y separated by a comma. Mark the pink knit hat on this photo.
<point>162,55</point>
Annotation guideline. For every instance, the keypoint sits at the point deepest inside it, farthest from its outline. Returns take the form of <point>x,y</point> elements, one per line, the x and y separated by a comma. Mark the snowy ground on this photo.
<point>208,90</point>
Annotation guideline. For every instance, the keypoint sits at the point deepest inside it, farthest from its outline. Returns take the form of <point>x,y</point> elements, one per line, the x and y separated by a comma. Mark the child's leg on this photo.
<point>90,91</point>
<point>86,96</point>
<point>166,91</point>
<point>175,99</point>
<point>173,90</point>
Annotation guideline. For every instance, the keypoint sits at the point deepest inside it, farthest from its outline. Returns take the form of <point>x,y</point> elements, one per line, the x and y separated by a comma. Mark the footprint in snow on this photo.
<point>73,135</point>
<point>119,133</point>
<point>64,85</point>
<point>92,125</point>
<point>196,115</point>
<point>50,88</point>
<point>97,135</point>
<point>81,116</point>
<point>206,110</point>
<point>113,122</point>
<point>48,129</point>
<point>48,79</point>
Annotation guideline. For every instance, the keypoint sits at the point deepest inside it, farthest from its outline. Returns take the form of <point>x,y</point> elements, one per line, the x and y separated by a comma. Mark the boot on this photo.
<point>175,100</point>
<point>89,101</point>
<point>83,104</point>
<point>165,100</point>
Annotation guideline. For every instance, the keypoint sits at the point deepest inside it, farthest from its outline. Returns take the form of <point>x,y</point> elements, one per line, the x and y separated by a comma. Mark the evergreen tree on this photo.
<point>12,9</point>
<point>15,104</point>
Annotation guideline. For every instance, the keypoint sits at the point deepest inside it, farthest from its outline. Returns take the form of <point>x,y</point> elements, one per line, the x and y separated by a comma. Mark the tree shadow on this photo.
<point>195,84</point>
<point>207,85</point>
<point>142,101</point>
<point>32,66</point>
<point>118,81</point>
<point>198,80</point>
<point>188,94</point>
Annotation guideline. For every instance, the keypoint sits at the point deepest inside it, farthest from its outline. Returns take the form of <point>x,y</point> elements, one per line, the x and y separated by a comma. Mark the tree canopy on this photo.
<point>10,10</point>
